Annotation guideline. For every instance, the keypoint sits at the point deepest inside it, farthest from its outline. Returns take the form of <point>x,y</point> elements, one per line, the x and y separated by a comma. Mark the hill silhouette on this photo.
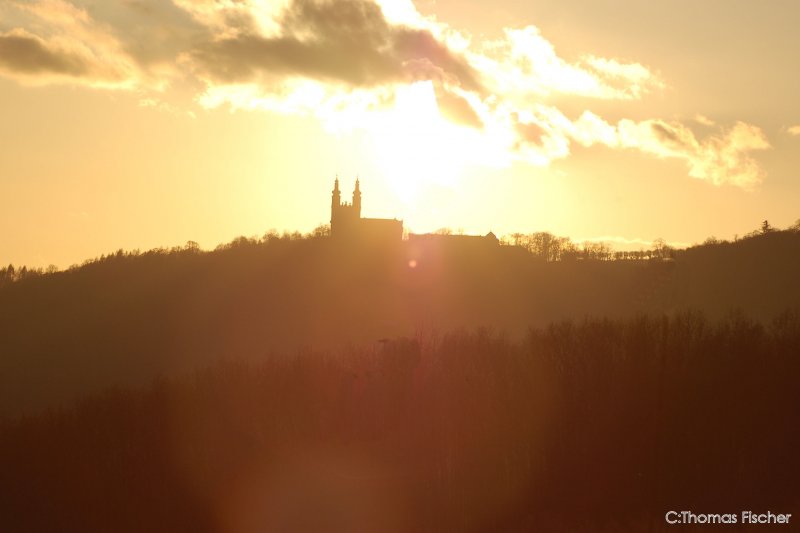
<point>444,383</point>
<point>130,317</point>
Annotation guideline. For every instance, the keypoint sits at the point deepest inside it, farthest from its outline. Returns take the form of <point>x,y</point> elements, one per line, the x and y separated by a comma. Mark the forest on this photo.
<point>294,383</point>
<point>593,425</point>
<point>130,317</point>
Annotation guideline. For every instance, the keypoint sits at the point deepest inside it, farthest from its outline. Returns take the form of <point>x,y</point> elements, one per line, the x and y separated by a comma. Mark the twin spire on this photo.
<point>346,219</point>
<point>336,185</point>
<point>356,193</point>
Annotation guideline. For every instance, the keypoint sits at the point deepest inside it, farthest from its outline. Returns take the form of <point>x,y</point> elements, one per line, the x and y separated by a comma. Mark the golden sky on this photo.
<point>144,123</point>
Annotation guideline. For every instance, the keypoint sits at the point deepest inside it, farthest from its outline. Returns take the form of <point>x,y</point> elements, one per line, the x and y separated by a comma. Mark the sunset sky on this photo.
<point>145,123</point>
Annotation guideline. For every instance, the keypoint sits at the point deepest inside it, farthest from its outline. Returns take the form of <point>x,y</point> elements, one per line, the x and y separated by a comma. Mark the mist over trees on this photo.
<point>129,317</point>
<point>595,425</point>
<point>291,382</point>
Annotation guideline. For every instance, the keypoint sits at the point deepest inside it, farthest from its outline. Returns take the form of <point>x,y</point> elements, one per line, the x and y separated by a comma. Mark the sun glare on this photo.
<point>413,143</point>
<point>417,149</point>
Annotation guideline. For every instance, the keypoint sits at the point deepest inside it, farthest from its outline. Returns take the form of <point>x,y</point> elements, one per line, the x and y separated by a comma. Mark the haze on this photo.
<point>146,123</point>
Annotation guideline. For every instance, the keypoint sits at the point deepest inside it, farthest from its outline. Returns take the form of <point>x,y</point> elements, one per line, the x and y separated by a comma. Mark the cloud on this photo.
<point>228,18</point>
<point>348,42</point>
<point>722,159</point>
<point>456,107</point>
<point>626,80</point>
<point>704,120</point>
<point>71,48</point>
<point>525,64</point>
<point>337,60</point>
<point>794,130</point>
<point>165,107</point>
<point>27,54</point>
<point>347,62</point>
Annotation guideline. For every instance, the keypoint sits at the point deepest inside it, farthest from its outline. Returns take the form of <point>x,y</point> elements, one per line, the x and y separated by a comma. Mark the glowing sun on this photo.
<point>417,149</point>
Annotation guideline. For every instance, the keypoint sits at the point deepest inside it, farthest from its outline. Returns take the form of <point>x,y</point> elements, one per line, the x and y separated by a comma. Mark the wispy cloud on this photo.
<point>722,158</point>
<point>794,130</point>
<point>347,62</point>
<point>704,120</point>
<point>525,65</point>
<point>166,107</point>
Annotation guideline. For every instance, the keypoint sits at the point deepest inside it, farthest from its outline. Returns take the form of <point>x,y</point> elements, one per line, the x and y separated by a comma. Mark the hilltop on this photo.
<point>129,317</point>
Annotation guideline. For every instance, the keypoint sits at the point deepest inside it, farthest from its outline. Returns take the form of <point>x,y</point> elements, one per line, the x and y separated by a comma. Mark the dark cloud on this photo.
<point>667,135</point>
<point>24,53</point>
<point>140,5</point>
<point>347,41</point>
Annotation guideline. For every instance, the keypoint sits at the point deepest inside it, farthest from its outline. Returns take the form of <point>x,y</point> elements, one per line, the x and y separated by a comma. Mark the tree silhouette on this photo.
<point>592,425</point>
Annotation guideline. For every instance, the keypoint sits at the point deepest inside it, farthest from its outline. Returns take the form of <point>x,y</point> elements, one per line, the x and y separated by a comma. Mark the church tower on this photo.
<point>347,224</point>
<point>344,216</point>
<point>336,199</point>
<point>357,200</point>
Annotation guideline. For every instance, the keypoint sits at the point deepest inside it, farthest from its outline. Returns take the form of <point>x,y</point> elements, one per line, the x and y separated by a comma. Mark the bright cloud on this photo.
<point>704,120</point>
<point>526,65</point>
<point>794,130</point>
<point>352,63</point>
<point>720,159</point>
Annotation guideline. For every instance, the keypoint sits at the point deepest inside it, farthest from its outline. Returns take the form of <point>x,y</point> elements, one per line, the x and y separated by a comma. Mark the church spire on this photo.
<point>336,195</point>
<point>357,199</point>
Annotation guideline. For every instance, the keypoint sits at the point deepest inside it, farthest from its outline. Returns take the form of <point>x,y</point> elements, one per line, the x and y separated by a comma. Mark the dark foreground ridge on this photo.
<point>129,318</point>
<point>581,426</point>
